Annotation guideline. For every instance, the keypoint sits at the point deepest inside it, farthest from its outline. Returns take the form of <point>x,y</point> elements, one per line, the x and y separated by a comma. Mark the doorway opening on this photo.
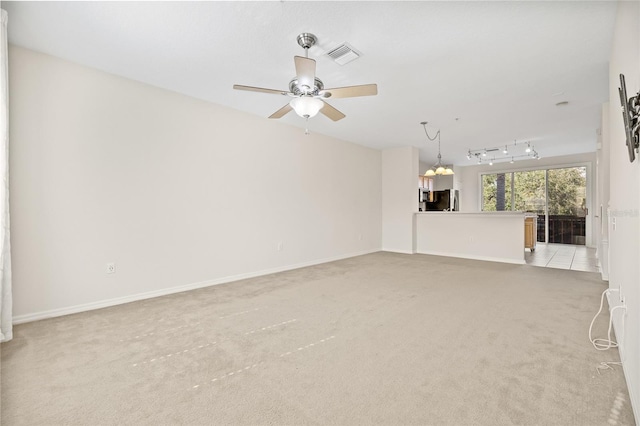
<point>558,196</point>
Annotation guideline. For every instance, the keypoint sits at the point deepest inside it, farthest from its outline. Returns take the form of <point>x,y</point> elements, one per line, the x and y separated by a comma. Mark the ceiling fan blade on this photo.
<point>305,71</point>
<point>331,112</point>
<point>260,89</point>
<point>350,91</point>
<point>281,112</point>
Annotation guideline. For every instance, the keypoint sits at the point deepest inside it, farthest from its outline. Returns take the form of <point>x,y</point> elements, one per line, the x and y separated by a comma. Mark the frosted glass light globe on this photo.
<point>306,106</point>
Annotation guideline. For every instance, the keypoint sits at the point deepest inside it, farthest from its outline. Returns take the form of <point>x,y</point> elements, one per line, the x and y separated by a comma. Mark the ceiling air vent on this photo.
<point>343,54</point>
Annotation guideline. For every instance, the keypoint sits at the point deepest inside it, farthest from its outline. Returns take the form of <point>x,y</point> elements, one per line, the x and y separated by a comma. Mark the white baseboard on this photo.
<point>398,251</point>
<point>635,403</point>
<point>473,257</point>
<point>36,316</point>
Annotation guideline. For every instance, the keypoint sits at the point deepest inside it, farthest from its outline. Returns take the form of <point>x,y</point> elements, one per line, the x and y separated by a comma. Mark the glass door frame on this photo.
<point>546,205</point>
<point>589,193</point>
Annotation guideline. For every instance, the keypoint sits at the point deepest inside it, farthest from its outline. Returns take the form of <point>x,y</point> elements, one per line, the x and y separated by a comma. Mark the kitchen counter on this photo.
<point>492,236</point>
<point>506,213</point>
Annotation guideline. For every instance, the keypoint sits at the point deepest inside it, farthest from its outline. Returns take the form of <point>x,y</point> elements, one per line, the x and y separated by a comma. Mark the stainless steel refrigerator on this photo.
<point>445,200</point>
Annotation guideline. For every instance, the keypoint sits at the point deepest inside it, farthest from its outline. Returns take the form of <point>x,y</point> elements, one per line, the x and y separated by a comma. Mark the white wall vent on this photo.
<point>343,54</point>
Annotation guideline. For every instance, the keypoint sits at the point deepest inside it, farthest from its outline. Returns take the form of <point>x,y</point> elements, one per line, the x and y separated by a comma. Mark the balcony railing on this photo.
<point>563,229</point>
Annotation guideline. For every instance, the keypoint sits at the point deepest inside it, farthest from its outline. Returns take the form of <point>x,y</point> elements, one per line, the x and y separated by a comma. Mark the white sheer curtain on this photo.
<point>6,325</point>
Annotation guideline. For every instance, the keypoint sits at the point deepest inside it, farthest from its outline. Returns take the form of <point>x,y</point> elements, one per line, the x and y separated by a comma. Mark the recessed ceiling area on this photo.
<point>483,73</point>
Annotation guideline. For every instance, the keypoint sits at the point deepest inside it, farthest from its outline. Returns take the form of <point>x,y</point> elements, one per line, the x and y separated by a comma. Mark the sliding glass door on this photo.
<point>530,196</point>
<point>557,196</point>
<point>567,190</point>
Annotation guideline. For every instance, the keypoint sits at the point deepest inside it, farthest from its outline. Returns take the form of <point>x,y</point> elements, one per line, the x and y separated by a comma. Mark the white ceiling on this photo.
<point>497,67</point>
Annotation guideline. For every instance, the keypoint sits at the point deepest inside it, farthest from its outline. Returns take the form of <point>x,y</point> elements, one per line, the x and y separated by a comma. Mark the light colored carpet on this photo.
<point>377,339</point>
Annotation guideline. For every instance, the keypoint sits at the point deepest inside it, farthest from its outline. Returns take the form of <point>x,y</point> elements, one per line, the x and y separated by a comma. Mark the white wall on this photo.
<point>470,192</point>
<point>174,190</point>
<point>399,198</point>
<point>601,207</point>
<point>495,236</point>
<point>423,167</point>
<point>624,238</point>
<point>442,182</point>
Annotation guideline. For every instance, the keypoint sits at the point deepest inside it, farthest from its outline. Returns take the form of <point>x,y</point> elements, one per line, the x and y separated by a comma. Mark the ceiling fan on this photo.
<point>308,91</point>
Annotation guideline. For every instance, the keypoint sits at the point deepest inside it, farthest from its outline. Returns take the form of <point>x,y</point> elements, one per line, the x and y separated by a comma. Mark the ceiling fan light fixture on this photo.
<point>308,91</point>
<point>306,106</point>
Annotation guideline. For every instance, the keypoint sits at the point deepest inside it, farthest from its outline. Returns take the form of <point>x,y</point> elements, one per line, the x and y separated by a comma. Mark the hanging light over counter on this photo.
<point>438,168</point>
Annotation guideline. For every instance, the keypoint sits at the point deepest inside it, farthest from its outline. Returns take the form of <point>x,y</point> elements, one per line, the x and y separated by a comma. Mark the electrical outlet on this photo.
<point>359,237</point>
<point>111,268</point>
<point>280,246</point>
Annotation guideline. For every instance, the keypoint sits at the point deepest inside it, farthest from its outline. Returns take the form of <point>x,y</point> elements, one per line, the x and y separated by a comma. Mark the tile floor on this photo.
<point>563,256</point>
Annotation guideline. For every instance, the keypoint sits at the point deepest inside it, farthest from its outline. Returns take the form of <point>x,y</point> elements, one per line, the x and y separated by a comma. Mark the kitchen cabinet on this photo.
<point>425,182</point>
<point>530,232</point>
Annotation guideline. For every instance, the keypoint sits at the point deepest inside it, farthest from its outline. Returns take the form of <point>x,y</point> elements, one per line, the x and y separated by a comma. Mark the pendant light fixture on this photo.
<point>438,168</point>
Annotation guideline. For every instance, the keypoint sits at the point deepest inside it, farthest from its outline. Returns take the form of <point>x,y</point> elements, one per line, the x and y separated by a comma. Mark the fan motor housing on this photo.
<point>306,40</point>
<point>297,89</point>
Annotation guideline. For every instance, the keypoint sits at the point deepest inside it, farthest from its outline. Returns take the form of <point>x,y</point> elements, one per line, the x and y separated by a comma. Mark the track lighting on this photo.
<point>507,152</point>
